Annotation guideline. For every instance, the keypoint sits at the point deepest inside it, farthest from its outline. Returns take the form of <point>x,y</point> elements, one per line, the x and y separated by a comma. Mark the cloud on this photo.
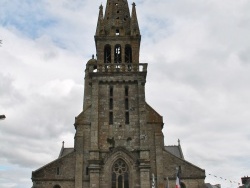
<point>28,17</point>
<point>35,75</point>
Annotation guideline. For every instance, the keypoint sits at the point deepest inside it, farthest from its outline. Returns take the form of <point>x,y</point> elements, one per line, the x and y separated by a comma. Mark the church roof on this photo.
<point>65,151</point>
<point>175,150</point>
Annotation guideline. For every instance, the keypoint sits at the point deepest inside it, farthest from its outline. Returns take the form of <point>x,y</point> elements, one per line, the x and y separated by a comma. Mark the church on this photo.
<point>119,141</point>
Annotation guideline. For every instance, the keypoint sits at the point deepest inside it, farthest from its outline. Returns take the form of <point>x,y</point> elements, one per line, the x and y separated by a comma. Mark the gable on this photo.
<point>153,116</point>
<point>175,150</point>
<point>61,168</point>
<point>83,117</point>
<point>188,170</point>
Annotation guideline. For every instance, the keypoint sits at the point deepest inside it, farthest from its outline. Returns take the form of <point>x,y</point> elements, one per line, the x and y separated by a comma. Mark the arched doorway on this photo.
<point>120,174</point>
<point>183,185</point>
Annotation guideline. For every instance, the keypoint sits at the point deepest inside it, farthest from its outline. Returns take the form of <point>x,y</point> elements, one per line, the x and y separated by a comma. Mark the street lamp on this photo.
<point>2,117</point>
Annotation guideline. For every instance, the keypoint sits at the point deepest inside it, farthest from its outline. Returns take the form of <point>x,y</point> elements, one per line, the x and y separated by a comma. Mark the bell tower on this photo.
<point>112,129</point>
<point>117,35</point>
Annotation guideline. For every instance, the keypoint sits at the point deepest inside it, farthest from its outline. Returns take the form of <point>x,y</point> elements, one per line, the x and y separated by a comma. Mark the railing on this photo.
<point>119,67</point>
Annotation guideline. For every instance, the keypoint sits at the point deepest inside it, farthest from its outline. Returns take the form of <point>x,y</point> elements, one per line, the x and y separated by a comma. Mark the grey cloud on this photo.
<point>8,93</point>
<point>244,56</point>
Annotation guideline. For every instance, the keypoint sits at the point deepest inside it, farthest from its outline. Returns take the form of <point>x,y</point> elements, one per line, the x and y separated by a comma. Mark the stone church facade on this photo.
<point>118,141</point>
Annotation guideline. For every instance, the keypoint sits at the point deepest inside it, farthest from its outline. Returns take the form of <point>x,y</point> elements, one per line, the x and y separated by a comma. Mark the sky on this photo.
<point>198,55</point>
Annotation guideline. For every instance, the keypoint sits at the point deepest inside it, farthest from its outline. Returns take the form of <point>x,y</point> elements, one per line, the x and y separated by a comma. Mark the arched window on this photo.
<point>120,175</point>
<point>128,54</point>
<point>118,57</point>
<point>107,53</point>
<point>57,186</point>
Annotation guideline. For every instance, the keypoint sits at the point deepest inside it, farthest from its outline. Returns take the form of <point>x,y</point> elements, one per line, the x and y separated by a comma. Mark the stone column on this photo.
<point>144,169</point>
<point>142,114</point>
<point>94,115</point>
<point>79,156</point>
<point>159,159</point>
<point>123,53</point>
<point>94,132</point>
<point>112,53</point>
<point>94,175</point>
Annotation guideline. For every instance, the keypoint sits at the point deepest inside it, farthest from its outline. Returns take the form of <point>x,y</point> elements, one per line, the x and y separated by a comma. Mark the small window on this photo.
<point>111,118</point>
<point>57,186</point>
<point>111,90</point>
<point>126,91</point>
<point>87,171</point>
<point>57,171</point>
<point>127,117</point>
<point>111,103</point>
<point>126,104</point>
<point>117,32</point>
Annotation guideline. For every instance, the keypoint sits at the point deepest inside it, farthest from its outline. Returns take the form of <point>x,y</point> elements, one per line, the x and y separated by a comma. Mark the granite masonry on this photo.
<point>119,141</point>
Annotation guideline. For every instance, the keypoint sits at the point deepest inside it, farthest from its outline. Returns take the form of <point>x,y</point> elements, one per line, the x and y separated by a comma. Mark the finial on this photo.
<point>63,144</point>
<point>134,4</point>
<point>179,142</point>
<point>93,56</point>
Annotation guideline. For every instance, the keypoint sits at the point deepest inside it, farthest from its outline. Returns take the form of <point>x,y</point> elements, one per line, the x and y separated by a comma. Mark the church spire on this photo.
<point>134,22</point>
<point>117,18</point>
<point>117,35</point>
<point>99,28</point>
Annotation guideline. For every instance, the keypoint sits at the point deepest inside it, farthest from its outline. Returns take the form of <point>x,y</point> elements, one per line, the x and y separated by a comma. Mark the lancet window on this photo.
<point>118,57</point>
<point>128,54</point>
<point>120,174</point>
<point>107,54</point>
<point>111,91</point>
<point>126,106</point>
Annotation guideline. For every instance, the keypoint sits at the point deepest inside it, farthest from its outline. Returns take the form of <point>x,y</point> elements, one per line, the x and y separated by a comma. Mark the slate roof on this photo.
<point>65,151</point>
<point>175,150</point>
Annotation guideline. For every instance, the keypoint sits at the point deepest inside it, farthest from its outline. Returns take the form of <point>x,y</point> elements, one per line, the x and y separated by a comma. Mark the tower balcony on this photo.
<point>117,68</point>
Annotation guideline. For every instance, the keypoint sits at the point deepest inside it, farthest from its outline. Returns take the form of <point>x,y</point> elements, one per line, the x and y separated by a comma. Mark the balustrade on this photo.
<point>117,67</point>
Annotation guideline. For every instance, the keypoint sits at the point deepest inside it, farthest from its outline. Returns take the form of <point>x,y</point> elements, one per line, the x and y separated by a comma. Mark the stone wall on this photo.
<point>60,171</point>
